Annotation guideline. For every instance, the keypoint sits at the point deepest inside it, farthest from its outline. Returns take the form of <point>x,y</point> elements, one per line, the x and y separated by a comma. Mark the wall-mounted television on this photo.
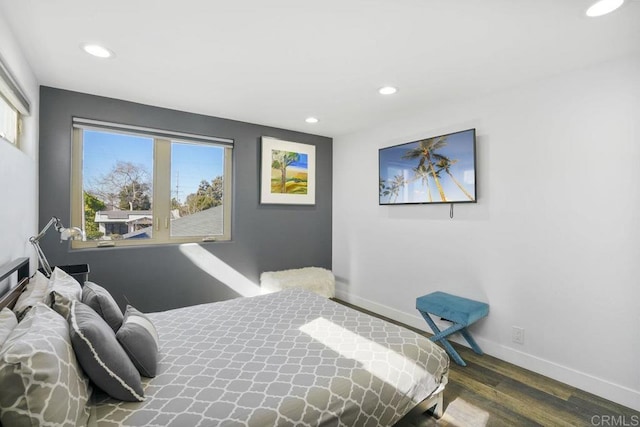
<point>441,169</point>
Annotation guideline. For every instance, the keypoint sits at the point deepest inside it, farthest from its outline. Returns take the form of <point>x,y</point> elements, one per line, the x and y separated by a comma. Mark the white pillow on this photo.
<point>65,285</point>
<point>35,292</point>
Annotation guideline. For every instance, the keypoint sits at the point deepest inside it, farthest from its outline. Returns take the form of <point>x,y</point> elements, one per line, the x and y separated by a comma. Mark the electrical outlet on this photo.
<point>517,335</point>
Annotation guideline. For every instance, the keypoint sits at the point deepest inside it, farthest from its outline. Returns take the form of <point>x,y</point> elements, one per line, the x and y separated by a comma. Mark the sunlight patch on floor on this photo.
<point>220,270</point>
<point>461,413</point>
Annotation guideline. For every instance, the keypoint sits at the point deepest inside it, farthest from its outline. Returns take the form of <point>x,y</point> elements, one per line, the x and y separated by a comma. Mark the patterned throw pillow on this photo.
<point>65,285</point>
<point>8,322</point>
<point>40,380</point>
<point>102,302</point>
<point>61,304</point>
<point>100,355</point>
<point>139,339</point>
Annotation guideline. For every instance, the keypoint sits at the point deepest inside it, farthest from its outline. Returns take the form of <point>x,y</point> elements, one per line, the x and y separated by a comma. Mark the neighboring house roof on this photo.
<point>203,223</point>
<point>122,216</point>
<point>145,220</point>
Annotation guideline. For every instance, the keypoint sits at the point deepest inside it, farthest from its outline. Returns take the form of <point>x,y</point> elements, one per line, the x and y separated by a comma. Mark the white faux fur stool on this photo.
<point>313,279</point>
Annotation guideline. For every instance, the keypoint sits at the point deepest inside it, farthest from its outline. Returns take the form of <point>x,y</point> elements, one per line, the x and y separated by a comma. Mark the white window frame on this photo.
<point>14,96</point>
<point>12,130</point>
<point>161,192</point>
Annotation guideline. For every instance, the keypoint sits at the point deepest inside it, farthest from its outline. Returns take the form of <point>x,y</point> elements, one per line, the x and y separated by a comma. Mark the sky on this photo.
<point>301,163</point>
<point>190,163</point>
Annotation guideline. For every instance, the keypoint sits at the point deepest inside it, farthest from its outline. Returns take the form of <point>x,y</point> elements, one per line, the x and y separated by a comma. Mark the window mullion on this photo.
<point>161,190</point>
<point>77,196</point>
<point>227,198</point>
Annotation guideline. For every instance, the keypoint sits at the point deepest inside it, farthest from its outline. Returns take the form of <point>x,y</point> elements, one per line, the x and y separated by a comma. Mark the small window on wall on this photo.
<point>13,105</point>
<point>137,186</point>
<point>8,122</point>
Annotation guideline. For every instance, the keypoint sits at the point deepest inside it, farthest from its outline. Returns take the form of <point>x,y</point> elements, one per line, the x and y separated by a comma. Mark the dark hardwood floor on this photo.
<point>491,392</point>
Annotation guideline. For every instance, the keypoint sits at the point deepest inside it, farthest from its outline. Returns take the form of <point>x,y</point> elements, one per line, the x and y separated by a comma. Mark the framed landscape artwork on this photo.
<point>288,172</point>
<point>441,169</point>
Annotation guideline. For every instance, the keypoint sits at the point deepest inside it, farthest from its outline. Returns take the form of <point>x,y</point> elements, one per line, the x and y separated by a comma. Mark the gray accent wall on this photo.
<point>152,278</point>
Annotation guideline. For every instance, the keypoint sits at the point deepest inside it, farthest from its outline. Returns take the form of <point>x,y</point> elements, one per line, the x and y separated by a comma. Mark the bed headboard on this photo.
<point>20,266</point>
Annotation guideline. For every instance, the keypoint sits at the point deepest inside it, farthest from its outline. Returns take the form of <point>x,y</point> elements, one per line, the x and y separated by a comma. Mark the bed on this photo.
<point>287,358</point>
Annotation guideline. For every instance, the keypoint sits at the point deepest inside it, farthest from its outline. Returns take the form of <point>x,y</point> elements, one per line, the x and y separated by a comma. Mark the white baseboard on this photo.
<point>584,381</point>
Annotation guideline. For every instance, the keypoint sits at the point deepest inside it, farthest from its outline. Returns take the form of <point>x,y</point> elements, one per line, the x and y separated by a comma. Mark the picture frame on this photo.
<point>288,172</point>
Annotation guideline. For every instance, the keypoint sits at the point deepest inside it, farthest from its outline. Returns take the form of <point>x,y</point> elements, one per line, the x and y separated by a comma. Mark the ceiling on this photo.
<point>277,62</point>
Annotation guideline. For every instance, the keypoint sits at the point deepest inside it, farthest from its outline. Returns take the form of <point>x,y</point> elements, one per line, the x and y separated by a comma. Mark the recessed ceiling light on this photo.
<point>97,50</point>
<point>387,90</point>
<point>603,7</point>
<point>311,120</point>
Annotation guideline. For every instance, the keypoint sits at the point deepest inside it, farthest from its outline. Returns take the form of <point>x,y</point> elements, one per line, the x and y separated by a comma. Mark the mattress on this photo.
<point>282,359</point>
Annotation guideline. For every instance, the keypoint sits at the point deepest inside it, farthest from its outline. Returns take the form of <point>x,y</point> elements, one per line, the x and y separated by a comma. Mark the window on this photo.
<point>13,104</point>
<point>8,122</point>
<point>136,186</point>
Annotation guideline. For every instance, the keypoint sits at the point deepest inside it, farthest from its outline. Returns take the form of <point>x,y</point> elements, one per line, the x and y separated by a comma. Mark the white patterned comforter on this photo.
<point>289,358</point>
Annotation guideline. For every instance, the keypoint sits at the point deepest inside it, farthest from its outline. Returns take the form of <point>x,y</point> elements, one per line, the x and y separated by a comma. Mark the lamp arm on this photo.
<point>35,241</point>
<point>52,221</point>
<point>42,258</point>
<point>72,233</point>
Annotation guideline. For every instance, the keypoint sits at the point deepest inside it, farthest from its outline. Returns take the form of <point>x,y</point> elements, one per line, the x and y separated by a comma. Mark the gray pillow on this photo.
<point>40,380</point>
<point>8,322</point>
<point>100,355</point>
<point>98,298</point>
<point>139,339</point>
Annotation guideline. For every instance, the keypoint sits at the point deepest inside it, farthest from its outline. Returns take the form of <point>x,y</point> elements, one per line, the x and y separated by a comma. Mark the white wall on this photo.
<point>553,244</point>
<point>19,166</point>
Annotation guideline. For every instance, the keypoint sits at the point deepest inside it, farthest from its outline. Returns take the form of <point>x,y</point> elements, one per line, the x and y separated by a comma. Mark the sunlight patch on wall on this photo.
<point>220,270</point>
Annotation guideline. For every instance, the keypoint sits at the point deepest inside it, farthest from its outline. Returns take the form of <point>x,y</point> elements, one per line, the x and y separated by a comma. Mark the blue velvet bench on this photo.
<point>462,312</point>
